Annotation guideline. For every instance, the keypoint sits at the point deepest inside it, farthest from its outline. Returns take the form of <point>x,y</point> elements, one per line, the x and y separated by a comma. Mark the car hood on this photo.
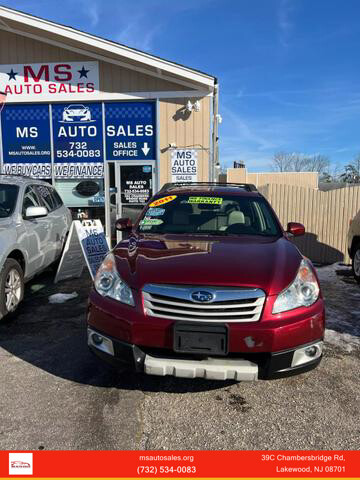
<point>251,261</point>
<point>5,223</point>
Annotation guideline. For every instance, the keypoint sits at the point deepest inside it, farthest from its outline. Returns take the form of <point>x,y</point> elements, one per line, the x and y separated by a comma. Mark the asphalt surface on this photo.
<point>56,395</point>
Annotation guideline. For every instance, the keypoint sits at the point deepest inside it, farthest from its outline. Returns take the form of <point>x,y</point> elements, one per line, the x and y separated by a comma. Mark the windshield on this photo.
<point>212,215</point>
<point>8,196</point>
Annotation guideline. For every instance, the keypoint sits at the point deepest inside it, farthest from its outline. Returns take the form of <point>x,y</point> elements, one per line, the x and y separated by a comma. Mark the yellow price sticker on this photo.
<point>208,200</point>
<point>162,201</point>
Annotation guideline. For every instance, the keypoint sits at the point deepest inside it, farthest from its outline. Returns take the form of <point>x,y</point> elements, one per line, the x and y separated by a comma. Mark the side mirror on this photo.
<point>123,224</point>
<point>295,229</point>
<point>36,212</point>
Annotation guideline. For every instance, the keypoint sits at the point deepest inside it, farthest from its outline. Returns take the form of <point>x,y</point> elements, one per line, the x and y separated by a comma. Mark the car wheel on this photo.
<point>11,287</point>
<point>356,262</point>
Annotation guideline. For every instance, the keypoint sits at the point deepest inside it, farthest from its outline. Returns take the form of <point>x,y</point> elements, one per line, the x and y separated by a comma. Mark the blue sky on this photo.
<point>288,69</point>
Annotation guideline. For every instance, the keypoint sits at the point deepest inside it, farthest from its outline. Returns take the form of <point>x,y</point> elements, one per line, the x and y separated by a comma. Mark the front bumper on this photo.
<point>240,367</point>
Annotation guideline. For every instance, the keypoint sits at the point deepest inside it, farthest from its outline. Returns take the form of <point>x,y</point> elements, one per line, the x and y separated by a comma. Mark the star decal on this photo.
<point>83,72</point>
<point>12,75</point>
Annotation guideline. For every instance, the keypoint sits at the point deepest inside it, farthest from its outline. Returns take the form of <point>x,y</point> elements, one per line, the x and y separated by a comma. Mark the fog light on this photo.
<point>100,342</point>
<point>97,339</point>
<point>307,354</point>
<point>311,351</point>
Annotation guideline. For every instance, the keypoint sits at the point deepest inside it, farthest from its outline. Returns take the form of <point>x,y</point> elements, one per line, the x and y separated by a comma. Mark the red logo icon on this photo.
<point>19,464</point>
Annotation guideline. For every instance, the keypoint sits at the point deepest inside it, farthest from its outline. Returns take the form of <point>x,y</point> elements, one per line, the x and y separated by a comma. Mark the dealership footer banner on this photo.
<point>180,464</point>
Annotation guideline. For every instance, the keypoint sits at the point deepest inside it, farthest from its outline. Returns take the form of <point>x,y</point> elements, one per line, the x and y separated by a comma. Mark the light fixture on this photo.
<point>193,106</point>
<point>189,106</point>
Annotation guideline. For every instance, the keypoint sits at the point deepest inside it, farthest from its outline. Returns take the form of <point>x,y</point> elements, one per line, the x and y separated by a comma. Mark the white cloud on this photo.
<point>136,35</point>
<point>285,23</point>
<point>243,132</point>
<point>90,9</point>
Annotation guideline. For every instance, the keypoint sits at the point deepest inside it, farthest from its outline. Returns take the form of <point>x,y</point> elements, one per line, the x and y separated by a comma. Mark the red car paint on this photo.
<point>247,261</point>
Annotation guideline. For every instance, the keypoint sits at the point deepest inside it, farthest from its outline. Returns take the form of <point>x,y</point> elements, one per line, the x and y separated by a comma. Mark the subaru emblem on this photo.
<point>202,296</point>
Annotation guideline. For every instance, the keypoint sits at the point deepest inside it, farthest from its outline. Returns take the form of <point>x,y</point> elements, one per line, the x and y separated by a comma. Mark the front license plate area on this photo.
<point>203,339</point>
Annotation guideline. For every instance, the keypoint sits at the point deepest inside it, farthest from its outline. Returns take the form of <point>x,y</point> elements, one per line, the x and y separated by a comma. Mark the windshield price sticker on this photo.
<point>155,212</point>
<point>162,201</point>
<point>207,200</point>
<point>151,221</point>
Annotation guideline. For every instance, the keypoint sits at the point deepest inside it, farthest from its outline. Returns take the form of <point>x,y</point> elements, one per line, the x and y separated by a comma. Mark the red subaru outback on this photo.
<point>208,284</point>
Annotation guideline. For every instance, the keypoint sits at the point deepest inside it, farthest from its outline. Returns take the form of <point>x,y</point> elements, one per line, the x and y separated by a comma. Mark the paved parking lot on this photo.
<point>55,395</point>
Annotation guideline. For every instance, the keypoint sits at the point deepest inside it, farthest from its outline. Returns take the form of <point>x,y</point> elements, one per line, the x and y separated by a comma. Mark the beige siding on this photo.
<point>301,179</point>
<point>185,130</point>
<point>325,215</point>
<point>113,79</point>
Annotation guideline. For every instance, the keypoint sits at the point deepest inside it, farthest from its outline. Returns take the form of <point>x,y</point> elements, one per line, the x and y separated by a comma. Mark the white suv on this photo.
<point>33,226</point>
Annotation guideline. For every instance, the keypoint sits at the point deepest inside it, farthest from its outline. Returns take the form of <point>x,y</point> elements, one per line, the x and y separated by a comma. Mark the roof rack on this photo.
<point>249,187</point>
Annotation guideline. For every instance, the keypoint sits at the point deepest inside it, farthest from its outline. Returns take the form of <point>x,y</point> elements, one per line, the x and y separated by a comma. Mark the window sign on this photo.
<point>78,142</point>
<point>136,183</point>
<point>26,147</point>
<point>130,131</point>
<point>74,147</point>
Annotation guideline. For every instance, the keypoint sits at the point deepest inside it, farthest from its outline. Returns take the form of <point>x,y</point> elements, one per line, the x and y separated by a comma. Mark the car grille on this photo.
<point>229,305</point>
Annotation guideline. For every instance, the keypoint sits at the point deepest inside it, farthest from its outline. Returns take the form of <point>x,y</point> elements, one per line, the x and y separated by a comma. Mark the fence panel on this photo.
<point>325,215</point>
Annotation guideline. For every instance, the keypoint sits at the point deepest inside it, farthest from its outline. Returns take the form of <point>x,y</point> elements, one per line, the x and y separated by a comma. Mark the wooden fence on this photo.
<point>325,215</point>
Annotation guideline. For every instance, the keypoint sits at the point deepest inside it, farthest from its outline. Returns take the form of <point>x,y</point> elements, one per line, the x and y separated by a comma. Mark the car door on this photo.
<point>59,218</point>
<point>37,231</point>
<point>63,220</point>
<point>54,220</point>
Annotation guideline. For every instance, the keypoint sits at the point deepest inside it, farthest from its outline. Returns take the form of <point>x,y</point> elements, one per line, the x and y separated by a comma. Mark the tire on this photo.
<point>11,287</point>
<point>355,263</point>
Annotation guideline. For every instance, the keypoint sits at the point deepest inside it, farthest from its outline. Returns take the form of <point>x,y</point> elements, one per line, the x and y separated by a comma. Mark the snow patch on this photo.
<point>328,273</point>
<point>341,301</point>
<point>345,341</point>
<point>62,297</point>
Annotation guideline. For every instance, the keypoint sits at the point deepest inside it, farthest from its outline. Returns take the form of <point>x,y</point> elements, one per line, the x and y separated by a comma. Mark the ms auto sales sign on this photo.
<point>184,165</point>
<point>66,81</point>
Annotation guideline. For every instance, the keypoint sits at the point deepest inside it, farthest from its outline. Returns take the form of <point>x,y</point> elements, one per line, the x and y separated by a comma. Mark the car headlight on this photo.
<point>108,282</point>
<point>302,292</point>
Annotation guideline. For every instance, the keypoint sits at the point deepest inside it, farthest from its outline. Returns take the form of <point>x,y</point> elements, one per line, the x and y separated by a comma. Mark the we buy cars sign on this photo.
<point>49,81</point>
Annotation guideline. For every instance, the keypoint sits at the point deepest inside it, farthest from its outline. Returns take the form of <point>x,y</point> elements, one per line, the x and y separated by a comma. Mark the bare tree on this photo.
<point>318,163</point>
<point>282,162</point>
<point>298,162</point>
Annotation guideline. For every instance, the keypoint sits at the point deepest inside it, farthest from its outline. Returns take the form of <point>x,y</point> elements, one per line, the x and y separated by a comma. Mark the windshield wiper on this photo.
<point>211,232</point>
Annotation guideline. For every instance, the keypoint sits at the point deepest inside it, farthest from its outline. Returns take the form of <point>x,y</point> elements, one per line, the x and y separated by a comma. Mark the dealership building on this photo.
<point>106,124</point>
